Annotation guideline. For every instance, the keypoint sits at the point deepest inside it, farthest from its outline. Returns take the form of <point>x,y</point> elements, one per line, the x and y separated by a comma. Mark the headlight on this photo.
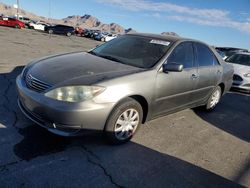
<point>75,93</point>
<point>247,75</point>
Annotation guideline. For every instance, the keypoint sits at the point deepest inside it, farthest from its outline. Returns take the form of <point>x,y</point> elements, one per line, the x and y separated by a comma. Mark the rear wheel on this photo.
<point>68,34</point>
<point>124,121</point>
<point>214,99</point>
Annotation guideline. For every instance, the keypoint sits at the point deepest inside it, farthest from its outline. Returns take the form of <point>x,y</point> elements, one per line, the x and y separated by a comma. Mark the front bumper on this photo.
<point>63,118</point>
<point>243,84</point>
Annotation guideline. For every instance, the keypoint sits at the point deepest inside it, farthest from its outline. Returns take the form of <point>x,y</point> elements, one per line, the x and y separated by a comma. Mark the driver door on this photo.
<point>174,89</point>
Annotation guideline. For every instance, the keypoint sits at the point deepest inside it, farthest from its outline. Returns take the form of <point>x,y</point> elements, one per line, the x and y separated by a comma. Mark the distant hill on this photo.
<point>86,21</point>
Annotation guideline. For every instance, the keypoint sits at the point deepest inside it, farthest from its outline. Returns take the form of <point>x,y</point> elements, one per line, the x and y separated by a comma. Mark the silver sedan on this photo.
<point>121,84</point>
<point>241,64</point>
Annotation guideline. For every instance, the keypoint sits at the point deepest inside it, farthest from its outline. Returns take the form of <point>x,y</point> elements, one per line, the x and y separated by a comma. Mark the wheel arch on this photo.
<point>144,104</point>
<point>222,86</point>
<point>138,98</point>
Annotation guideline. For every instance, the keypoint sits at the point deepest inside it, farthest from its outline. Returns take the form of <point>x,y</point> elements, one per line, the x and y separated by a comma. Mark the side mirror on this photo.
<point>172,67</point>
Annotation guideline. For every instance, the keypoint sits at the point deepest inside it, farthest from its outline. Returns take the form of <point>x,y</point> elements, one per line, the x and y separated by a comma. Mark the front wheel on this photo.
<point>17,26</point>
<point>50,31</point>
<point>214,99</point>
<point>124,121</point>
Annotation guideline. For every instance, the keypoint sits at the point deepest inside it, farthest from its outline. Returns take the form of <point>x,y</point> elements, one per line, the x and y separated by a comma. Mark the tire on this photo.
<point>123,121</point>
<point>214,99</point>
<point>102,39</point>
<point>68,34</point>
<point>50,31</point>
<point>17,26</point>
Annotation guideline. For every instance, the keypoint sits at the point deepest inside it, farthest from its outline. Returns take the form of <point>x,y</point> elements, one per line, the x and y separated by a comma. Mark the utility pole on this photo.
<point>17,2</point>
<point>50,11</point>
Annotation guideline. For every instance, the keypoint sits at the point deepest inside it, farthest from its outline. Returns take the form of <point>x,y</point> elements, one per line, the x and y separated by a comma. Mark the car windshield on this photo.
<point>136,51</point>
<point>242,59</point>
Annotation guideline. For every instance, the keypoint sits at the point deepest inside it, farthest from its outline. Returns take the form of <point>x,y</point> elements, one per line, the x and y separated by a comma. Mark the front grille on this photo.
<point>237,78</point>
<point>35,84</point>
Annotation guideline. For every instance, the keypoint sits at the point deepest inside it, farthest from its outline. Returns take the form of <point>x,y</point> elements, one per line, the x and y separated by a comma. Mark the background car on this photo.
<point>88,33</point>
<point>38,25</point>
<point>24,19</point>
<point>110,37</point>
<point>79,31</point>
<point>60,29</point>
<point>228,51</point>
<point>95,33</point>
<point>11,22</point>
<point>241,64</point>
<point>101,36</point>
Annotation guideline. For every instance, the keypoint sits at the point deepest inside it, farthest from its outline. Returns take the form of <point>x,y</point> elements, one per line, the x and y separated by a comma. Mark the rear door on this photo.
<point>208,72</point>
<point>174,89</point>
<point>58,29</point>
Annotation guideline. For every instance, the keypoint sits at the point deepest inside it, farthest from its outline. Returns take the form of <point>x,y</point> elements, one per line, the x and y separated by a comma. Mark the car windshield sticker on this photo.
<point>161,42</point>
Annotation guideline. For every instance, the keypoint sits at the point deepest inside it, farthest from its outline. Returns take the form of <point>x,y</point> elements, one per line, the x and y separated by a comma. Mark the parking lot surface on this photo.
<point>191,148</point>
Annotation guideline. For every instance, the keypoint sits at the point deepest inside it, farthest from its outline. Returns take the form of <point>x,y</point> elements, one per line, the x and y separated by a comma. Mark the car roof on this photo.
<point>169,38</point>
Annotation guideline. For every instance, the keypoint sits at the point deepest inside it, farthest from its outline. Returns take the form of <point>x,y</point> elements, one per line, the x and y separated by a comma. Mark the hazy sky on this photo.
<point>217,22</point>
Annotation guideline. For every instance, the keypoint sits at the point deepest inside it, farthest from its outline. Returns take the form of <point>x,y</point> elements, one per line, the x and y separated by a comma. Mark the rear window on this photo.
<point>204,55</point>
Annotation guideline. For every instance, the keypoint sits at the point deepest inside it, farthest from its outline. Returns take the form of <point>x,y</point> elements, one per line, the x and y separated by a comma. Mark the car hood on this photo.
<point>78,68</point>
<point>240,69</point>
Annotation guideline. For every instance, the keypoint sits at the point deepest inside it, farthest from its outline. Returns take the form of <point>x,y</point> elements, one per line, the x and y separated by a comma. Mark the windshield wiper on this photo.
<point>107,57</point>
<point>93,53</point>
<point>111,58</point>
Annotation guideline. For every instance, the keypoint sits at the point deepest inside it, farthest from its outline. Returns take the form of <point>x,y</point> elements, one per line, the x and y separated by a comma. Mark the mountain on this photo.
<point>11,11</point>
<point>86,21</point>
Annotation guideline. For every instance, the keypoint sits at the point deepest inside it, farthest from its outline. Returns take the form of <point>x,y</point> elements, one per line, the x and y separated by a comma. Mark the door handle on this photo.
<point>194,76</point>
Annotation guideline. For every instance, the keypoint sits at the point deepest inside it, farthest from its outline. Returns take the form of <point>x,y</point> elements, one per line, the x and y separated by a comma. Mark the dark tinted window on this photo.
<point>242,59</point>
<point>183,54</point>
<point>137,51</point>
<point>204,55</point>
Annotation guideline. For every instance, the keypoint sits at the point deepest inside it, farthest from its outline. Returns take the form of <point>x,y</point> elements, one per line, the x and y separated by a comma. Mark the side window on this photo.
<point>216,62</point>
<point>183,54</point>
<point>204,55</point>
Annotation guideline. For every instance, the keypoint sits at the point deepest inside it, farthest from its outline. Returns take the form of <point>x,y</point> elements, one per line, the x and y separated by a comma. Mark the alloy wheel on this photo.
<point>215,98</point>
<point>126,124</point>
